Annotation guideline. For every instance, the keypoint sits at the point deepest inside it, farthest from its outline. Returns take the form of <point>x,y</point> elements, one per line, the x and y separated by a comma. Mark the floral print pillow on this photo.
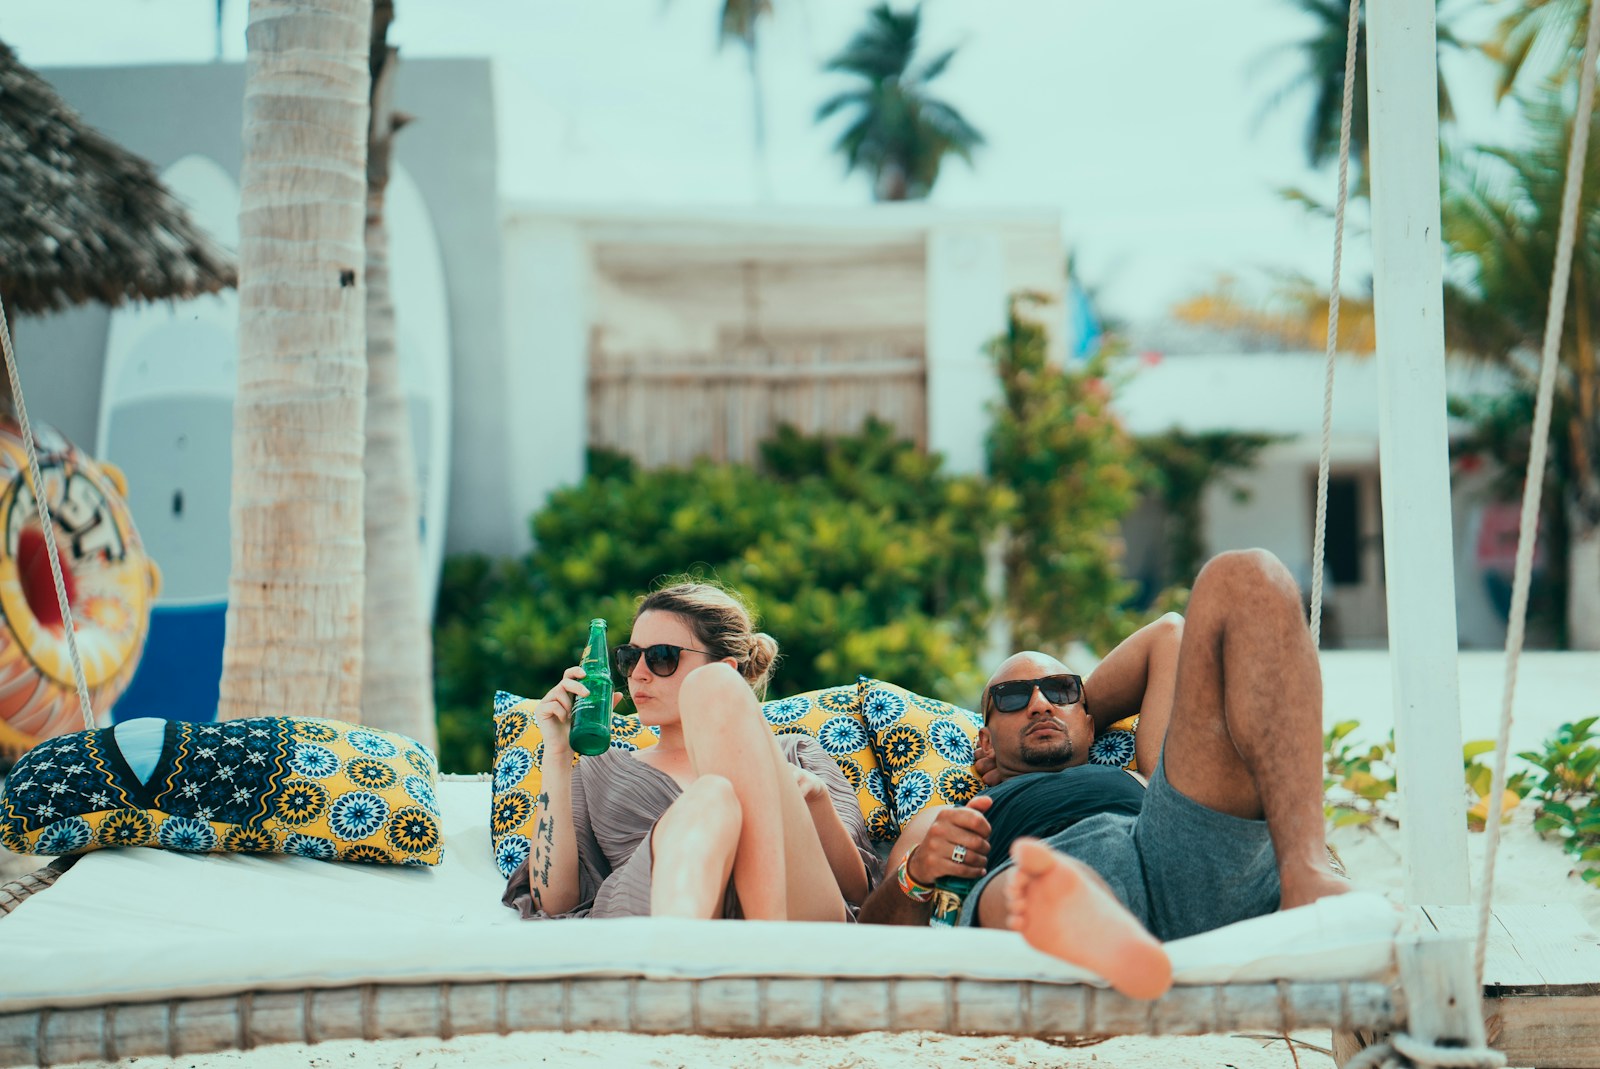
<point>832,716</point>
<point>925,746</point>
<point>314,788</point>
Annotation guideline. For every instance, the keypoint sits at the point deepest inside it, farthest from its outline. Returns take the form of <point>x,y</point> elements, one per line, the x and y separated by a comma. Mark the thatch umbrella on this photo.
<point>83,219</point>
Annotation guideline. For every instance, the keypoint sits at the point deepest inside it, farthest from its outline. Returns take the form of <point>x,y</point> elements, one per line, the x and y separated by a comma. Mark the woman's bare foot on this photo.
<point>1063,908</point>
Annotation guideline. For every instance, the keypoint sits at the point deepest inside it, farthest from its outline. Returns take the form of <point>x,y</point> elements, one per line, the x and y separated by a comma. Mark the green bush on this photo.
<point>1072,472</point>
<point>859,554</point>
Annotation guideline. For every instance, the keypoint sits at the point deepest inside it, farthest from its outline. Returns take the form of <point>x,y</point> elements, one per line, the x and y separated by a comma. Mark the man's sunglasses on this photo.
<point>1015,695</point>
<point>661,659</point>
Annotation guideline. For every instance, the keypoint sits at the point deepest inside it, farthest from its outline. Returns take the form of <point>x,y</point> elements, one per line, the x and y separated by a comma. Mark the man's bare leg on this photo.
<point>1064,909</point>
<point>1246,731</point>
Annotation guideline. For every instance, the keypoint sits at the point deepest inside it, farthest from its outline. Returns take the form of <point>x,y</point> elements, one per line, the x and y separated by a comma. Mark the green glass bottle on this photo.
<point>949,893</point>
<point>590,731</point>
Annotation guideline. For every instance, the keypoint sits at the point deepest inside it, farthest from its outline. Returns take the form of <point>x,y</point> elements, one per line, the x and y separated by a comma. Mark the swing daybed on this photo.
<point>144,952</point>
<point>139,952</point>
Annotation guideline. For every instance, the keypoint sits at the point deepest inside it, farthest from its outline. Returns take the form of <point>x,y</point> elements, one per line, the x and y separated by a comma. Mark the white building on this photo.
<point>1282,394</point>
<point>672,334</point>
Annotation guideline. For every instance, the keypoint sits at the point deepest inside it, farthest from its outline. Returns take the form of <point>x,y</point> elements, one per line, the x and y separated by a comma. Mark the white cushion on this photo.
<point>136,925</point>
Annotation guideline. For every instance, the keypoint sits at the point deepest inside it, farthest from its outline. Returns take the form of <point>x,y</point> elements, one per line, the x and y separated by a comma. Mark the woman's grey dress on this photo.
<point>617,799</point>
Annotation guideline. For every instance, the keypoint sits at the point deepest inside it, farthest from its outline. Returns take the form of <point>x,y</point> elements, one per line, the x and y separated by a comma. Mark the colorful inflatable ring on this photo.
<point>110,583</point>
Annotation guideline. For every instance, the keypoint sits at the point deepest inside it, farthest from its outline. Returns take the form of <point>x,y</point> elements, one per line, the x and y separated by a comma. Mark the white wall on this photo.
<point>966,309</point>
<point>548,312</point>
<point>1276,517</point>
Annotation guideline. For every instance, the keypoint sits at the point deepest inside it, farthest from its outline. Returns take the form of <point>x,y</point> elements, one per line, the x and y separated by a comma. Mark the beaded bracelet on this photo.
<point>917,892</point>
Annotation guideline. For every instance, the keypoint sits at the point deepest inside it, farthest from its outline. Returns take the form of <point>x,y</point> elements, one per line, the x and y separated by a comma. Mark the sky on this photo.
<point>1146,125</point>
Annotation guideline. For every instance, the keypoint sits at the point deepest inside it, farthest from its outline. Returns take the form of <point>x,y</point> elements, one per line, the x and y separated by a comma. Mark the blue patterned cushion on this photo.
<point>1115,745</point>
<point>297,785</point>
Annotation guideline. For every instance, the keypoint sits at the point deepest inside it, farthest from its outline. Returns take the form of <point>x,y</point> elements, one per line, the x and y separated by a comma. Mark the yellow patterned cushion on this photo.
<point>833,717</point>
<point>316,788</point>
<point>925,746</point>
<point>518,749</point>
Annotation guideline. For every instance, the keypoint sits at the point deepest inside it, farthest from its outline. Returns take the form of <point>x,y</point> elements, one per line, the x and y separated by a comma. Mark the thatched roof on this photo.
<point>83,219</point>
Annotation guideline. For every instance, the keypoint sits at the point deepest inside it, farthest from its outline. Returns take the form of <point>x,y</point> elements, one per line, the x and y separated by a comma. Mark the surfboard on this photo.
<point>166,418</point>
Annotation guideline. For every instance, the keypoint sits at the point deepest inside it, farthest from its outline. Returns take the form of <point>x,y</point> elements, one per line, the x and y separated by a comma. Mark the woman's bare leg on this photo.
<point>779,869</point>
<point>692,849</point>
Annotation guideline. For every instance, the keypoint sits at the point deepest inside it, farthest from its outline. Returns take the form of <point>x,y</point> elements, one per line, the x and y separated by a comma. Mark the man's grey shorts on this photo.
<point>1179,867</point>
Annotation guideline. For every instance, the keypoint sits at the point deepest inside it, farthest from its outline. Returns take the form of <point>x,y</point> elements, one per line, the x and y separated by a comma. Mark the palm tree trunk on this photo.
<point>758,104</point>
<point>1583,583</point>
<point>295,592</point>
<point>397,664</point>
<point>1582,502</point>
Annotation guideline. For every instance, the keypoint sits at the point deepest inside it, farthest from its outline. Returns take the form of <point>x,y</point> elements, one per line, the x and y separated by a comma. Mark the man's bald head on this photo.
<point>1041,736</point>
<point>1028,664</point>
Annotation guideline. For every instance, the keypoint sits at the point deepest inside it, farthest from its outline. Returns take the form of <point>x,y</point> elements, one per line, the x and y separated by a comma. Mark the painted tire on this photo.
<point>111,586</point>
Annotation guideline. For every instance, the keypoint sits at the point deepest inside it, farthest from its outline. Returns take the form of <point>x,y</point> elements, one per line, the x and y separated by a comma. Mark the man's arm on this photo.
<point>1139,676</point>
<point>933,834</point>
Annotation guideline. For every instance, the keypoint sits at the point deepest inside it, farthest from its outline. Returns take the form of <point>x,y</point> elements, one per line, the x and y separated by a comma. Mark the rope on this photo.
<point>1403,1051</point>
<point>1533,487</point>
<point>1320,538</point>
<point>36,485</point>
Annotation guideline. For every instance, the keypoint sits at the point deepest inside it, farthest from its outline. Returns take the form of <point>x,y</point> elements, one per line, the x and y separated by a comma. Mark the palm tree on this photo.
<point>1540,39</point>
<point>1501,212</point>
<point>898,134</point>
<point>1321,62</point>
<point>740,22</point>
<point>397,658</point>
<point>295,590</point>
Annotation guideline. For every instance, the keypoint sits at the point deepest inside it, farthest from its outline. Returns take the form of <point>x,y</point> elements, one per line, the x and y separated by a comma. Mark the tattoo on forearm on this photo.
<point>543,847</point>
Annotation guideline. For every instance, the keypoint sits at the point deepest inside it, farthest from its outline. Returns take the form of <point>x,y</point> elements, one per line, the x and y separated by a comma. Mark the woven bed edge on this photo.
<point>729,1007</point>
<point>18,891</point>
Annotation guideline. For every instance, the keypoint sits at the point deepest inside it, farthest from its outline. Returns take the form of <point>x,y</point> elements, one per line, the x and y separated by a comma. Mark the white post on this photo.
<point>1402,80</point>
<point>966,310</point>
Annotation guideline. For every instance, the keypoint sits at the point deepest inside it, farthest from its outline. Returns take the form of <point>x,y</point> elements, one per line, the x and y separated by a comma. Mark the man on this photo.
<point>1229,827</point>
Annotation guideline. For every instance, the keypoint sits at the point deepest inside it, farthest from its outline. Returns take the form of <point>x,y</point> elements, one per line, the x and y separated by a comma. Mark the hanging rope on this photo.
<point>1346,110</point>
<point>1533,486</point>
<point>36,484</point>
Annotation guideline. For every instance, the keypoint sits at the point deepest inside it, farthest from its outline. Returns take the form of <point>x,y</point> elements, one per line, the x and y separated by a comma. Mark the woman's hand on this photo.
<point>554,712</point>
<point>812,787</point>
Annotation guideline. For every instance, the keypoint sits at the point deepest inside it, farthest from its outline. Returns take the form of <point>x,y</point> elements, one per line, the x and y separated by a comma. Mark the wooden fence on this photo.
<point>669,410</point>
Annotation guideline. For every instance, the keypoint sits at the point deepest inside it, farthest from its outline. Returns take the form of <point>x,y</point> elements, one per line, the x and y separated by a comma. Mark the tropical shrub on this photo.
<point>1072,473</point>
<point>858,552</point>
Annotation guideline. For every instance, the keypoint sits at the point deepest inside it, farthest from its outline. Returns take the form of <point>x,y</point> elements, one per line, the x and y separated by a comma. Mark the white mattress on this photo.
<point>141,924</point>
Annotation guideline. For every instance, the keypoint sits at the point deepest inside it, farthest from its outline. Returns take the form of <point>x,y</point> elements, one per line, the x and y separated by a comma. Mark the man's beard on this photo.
<point>1047,753</point>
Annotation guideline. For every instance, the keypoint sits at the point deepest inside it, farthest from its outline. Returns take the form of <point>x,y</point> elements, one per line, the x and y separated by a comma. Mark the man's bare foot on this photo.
<point>1304,888</point>
<point>1063,908</point>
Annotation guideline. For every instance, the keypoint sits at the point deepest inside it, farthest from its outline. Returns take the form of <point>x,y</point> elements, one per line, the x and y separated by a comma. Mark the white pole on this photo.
<point>1402,81</point>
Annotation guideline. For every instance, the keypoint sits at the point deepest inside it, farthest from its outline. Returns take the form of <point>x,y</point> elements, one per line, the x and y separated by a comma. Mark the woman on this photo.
<point>720,818</point>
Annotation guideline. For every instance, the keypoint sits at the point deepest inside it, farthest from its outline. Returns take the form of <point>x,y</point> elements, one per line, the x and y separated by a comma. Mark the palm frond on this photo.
<point>933,68</point>
<point>848,98</point>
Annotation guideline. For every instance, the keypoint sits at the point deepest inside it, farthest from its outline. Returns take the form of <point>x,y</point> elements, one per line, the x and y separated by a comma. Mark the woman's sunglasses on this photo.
<point>661,659</point>
<point>1014,695</point>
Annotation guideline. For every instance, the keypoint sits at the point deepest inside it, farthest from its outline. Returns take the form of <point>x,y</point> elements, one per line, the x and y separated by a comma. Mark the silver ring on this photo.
<point>959,854</point>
